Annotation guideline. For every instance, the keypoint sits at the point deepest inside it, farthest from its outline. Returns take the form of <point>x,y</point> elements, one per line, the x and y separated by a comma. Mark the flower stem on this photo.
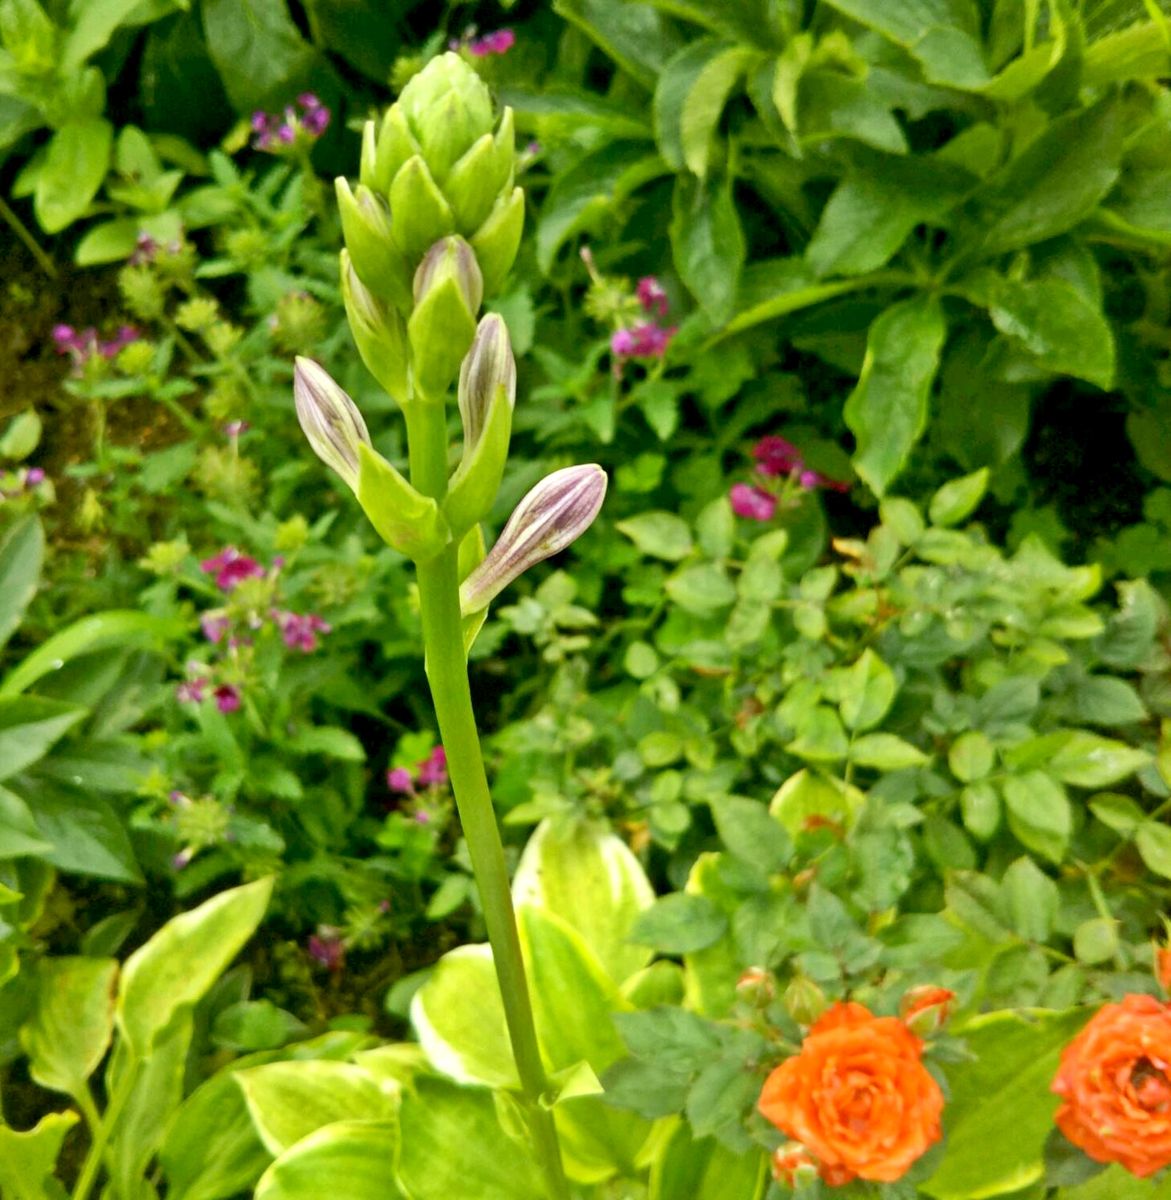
<point>446,666</point>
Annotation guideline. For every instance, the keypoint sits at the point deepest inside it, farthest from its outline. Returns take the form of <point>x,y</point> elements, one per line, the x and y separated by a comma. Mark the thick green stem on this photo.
<point>110,1118</point>
<point>447,674</point>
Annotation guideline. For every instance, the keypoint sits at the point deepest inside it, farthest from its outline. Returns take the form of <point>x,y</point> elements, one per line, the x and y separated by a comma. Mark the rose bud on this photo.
<point>330,420</point>
<point>757,986</point>
<point>550,517</point>
<point>804,1001</point>
<point>793,1165</point>
<point>925,1010</point>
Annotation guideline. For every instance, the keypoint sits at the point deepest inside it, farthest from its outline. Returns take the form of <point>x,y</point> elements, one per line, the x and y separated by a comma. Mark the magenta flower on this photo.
<point>183,858</point>
<point>433,770</point>
<point>499,42</point>
<point>752,502</point>
<point>300,631</point>
<point>646,340</point>
<point>145,249</point>
<point>776,456</point>
<point>233,429</point>
<point>227,698</point>
<point>274,131</point>
<point>125,335</point>
<point>652,296</point>
<point>230,568</point>
<point>398,779</point>
<point>327,947</point>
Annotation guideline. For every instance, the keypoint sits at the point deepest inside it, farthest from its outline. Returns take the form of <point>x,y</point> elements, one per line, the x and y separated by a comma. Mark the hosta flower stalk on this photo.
<point>432,228</point>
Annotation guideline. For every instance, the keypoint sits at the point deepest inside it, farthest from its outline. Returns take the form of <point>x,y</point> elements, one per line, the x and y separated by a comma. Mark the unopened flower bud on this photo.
<point>450,258</point>
<point>925,1010</point>
<point>793,1165</point>
<point>488,367</point>
<point>1163,967</point>
<point>330,419</point>
<point>550,517</point>
<point>757,986</point>
<point>446,107</point>
<point>804,1001</point>
<point>377,259</point>
<point>379,333</point>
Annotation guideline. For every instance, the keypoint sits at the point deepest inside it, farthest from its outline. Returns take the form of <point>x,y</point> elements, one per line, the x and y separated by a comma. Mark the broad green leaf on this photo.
<point>19,834</point>
<point>72,1023</point>
<point>112,241</point>
<point>287,1101</point>
<point>972,756</point>
<point>255,1025</point>
<point>1056,324</point>
<point>1029,899</point>
<point>1039,813</point>
<point>875,208</point>
<point>157,1093</point>
<point>29,725</point>
<point>176,967</point>
<point>640,40</point>
<point>868,691</point>
<point>76,163</point>
<point>944,35</point>
<point>1117,1183</point>
<point>458,1017</point>
<point>832,104</point>
<point>27,1160</point>
<point>94,22</point>
<point>350,1158</point>
<point>690,96</point>
<point>257,50</point>
<point>751,832</point>
<point>1154,845</point>
<point>807,794</point>
<point>776,287</point>
<point>588,877</point>
<point>691,1169</point>
<point>957,499</point>
<point>1087,760</point>
<point>658,534</point>
<point>708,243</point>
<point>575,107</point>
<point>85,834</point>
<point>703,589</point>
<point>680,923</point>
<point>885,752</point>
<point>820,736</point>
<point>438,1116</point>
<point>1104,700</point>
<point>1055,183</point>
<point>20,438</point>
<point>87,636</point>
<point>887,411</point>
<point>328,741</point>
<point>1000,1110</point>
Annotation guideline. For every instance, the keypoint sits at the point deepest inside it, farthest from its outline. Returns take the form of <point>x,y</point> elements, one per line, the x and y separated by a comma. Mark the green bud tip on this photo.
<point>451,257</point>
<point>330,420</point>
<point>488,366</point>
<point>550,517</point>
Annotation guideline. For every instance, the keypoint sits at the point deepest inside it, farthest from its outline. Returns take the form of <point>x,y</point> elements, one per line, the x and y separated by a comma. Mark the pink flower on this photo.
<point>125,335</point>
<point>184,857</point>
<point>776,456</point>
<point>652,296</point>
<point>233,429</point>
<point>34,477</point>
<point>646,340</point>
<point>191,691</point>
<point>227,698</point>
<point>398,779</point>
<point>300,631</point>
<point>214,625</point>
<point>499,42</point>
<point>230,567</point>
<point>433,770</point>
<point>752,502</point>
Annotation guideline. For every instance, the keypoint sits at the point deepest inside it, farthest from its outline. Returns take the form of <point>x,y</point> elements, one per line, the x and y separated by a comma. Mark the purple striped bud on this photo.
<point>489,365</point>
<point>330,419</point>
<point>552,516</point>
<point>451,258</point>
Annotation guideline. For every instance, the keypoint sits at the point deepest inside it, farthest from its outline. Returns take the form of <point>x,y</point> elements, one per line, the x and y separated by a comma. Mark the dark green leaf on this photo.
<point>636,37</point>
<point>680,923</point>
<point>256,49</point>
<point>708,243</point>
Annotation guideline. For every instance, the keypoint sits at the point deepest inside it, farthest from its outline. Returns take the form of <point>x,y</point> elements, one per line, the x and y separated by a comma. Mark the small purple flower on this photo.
<point>433,770</point>
<point>498,42</point>
<point>34,477</point>
<point>234,429</point>
<point>645,340</point>
<point>299,631</point>
<point>752,502</point>
<point>145,249</point>
<point>259,121</point>
<point>184,857</point>
<point>398,779</point>
<point>230,568</point>
<point>125,335</point>
<point>327,947</point>
<point>227,698</point>
<point>652,296</point>
<point>422,817</point>
<point>777,456</point>
<point>214,625</point>
<point>191,691</point>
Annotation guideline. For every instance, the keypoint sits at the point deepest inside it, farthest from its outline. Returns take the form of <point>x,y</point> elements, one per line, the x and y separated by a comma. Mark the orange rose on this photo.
<point>857,1096</point>
<point>1114,1080</point>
